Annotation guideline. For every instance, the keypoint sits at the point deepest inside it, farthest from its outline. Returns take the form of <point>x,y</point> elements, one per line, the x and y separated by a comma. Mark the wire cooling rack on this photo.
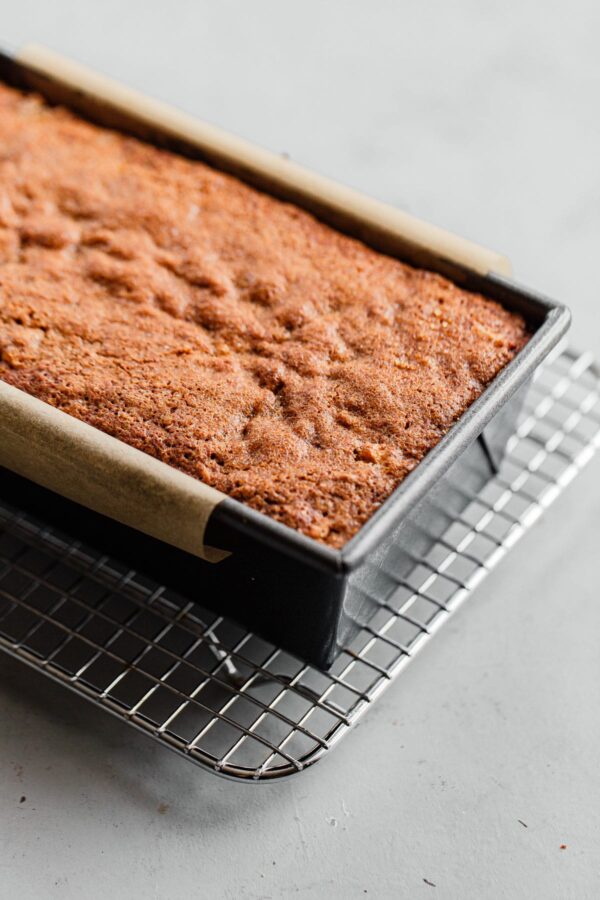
<point>223,697</point>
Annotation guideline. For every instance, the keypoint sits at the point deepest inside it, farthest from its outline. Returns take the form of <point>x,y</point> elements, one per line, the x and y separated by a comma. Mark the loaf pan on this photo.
<point>303,596</point>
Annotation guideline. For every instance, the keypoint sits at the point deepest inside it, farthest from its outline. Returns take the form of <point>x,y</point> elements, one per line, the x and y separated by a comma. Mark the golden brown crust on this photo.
<point>222,331</point>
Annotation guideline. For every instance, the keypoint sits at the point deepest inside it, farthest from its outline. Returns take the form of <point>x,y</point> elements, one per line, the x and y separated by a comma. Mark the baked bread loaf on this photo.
<point>222,331</point>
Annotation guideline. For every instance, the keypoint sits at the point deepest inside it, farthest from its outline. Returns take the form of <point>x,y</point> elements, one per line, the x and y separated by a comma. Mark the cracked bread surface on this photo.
<point>229,334</point>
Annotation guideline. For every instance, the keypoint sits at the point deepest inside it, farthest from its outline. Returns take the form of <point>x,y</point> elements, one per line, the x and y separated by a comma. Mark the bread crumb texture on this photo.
<point>226,333</point>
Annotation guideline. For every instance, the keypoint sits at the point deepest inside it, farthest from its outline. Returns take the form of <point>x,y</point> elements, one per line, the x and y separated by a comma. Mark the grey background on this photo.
<point>482,117</point>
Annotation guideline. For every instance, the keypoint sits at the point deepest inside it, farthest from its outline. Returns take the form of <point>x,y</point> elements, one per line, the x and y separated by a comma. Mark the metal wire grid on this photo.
<point>223,697</point>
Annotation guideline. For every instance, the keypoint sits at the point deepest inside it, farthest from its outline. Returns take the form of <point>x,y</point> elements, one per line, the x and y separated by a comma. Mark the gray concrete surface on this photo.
<point>483,117</point>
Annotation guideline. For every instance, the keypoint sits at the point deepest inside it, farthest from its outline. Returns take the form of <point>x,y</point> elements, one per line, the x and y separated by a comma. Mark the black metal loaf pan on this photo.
<point>302,595</point>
